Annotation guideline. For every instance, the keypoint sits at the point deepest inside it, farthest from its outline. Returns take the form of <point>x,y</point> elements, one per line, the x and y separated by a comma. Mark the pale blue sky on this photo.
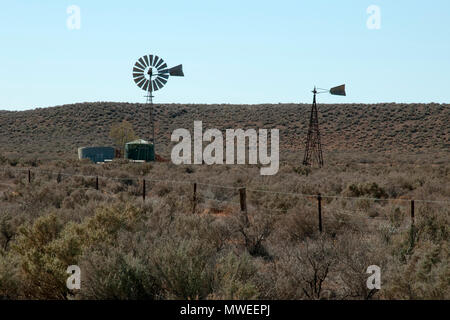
<point>232,51</point>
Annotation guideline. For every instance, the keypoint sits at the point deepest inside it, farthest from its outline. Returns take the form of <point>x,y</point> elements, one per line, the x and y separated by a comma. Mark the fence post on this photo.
<point>29,176</point>
<point>243,200</point>
<point>143,189</point>
<point>194,198</point>
<point>412,233</point>
<point>96,182</point>
<point>319,205</point>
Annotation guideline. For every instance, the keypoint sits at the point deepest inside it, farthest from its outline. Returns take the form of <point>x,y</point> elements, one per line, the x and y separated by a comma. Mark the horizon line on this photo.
<point>19,109</point>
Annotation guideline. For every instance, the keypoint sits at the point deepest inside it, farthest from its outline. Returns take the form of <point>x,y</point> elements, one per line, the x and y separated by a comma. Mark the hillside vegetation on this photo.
<point>172,245</point>
<point>58,131</point>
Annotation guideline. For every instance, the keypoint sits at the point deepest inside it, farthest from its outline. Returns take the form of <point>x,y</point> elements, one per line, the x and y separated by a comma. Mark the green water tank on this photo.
<point>140,150</point>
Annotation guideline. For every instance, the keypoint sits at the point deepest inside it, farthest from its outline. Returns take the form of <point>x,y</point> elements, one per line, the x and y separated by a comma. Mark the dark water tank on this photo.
<point>140,150</point>
<point>96,154</point>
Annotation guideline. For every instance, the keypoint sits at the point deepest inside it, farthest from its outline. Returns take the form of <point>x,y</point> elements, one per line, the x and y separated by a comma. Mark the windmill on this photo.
<point>150,73</point>
<point>313,149</point>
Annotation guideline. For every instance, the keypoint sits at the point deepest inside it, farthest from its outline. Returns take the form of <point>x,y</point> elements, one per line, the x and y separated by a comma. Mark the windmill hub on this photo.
<point>149,72</point>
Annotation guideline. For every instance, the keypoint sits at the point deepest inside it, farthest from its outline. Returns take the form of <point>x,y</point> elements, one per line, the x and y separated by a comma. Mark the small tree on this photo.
<point>121,133</point>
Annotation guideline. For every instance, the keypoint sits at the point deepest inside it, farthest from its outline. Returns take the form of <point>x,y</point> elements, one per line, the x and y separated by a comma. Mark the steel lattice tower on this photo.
<point>313,148</point>
<point>151,113</point>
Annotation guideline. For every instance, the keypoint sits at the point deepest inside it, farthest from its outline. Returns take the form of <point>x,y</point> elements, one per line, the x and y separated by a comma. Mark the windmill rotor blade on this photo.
<point>137,70</point>
<point>139,65</point>
<point>137,74</point>
<point>163,75</point>
<point>160,78</point>
<point>161,61</point>
<point>141,83</point>
<point>338,91</point>
<point>145,87</point>
<point>138,79</point>
<point>151,60</point>
<point>156,84</point>
<point>141,60</point>
<point>155,87</point>
<point>162,67</point>
<point>159,82</point>
<point>155,60</point>
<point>146,60</point>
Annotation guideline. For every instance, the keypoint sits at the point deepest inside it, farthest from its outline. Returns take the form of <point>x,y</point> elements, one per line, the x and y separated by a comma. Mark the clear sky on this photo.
<point>233,51</point>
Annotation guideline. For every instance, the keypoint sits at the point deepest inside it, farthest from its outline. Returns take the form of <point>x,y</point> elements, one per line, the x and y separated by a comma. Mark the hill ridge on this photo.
<point>386,127</point>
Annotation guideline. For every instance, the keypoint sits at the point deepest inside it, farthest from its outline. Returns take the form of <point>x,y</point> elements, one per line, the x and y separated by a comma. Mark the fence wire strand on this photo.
<point>294,194</point>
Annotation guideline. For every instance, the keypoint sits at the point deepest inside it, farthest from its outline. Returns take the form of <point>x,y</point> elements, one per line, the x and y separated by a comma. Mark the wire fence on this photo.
<point>239,192</point>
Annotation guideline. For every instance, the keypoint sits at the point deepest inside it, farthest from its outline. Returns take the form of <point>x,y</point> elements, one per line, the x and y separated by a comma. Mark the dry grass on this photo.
<point>128,249</point>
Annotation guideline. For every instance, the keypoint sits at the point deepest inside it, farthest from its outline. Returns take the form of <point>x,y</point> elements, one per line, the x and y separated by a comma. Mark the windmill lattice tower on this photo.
<point>313,148</point>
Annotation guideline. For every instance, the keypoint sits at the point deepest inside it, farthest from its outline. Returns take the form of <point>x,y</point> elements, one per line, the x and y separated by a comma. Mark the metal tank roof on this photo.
<point>138,141</point>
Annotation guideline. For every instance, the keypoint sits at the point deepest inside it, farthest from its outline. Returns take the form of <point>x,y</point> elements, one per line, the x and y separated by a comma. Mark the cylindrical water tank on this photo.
<point>96,154</point>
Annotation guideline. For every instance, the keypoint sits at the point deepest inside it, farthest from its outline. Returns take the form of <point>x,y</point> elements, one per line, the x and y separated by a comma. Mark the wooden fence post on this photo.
<point>29,176</point>
<point>412,233</point>
<point>319,205</point>
<point>243,200</point>
<point>143,189</point>
<point>194,198</point>
<point>96,182</point>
